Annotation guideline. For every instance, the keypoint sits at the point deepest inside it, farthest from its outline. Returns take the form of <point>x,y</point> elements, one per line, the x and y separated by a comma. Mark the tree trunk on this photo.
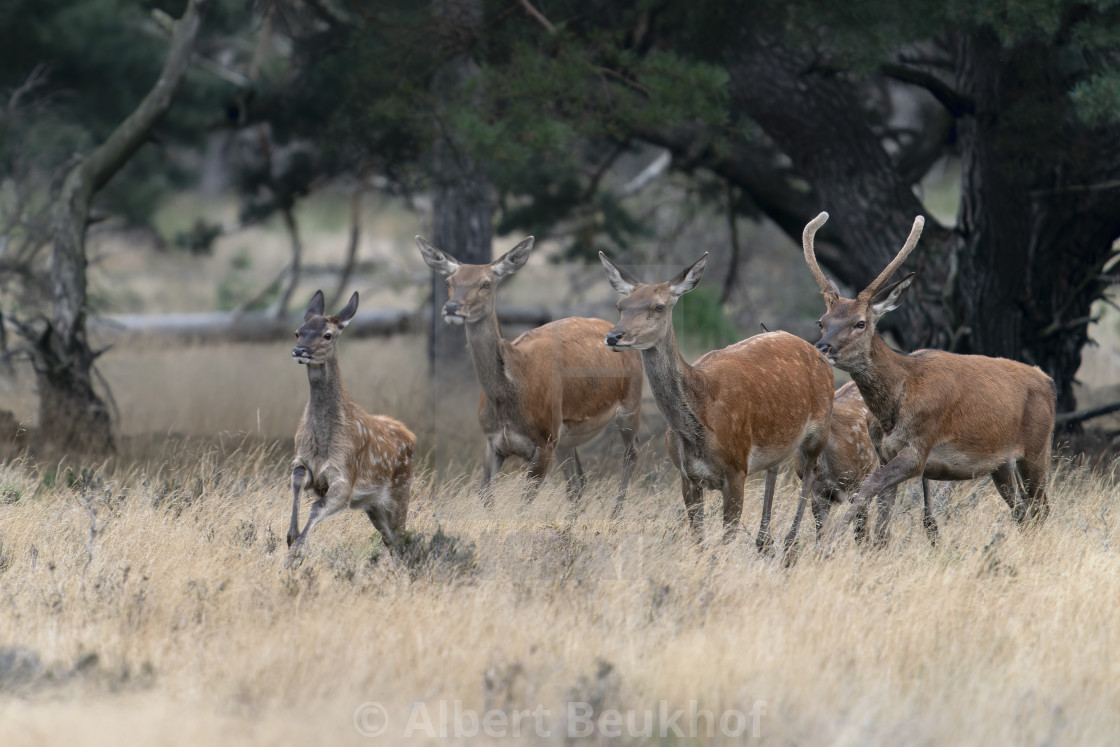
<point>1017,276</point>
<point>1033,242</point>
<point>462,200</point>
<point>72,416</point>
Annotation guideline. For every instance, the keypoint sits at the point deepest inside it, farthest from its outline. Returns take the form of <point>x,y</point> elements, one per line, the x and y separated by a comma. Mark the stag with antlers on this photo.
<point>941,415</point>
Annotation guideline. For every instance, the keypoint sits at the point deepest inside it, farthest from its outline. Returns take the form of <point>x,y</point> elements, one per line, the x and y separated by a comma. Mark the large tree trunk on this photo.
<point>462,199</point>
<point>1033,239</point>
<point>1017,276</point>
<point>72,416</point>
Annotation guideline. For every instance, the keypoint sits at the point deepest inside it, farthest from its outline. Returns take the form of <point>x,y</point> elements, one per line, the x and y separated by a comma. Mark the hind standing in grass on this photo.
<point>552,389</point>
<point>346,456</point>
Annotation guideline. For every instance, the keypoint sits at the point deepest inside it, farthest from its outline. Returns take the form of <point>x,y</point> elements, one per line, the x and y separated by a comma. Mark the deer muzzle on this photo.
<point>614,340</point>
<point>453,313</point>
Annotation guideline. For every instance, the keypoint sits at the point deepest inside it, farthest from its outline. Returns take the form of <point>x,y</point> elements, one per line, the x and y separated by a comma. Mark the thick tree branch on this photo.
<point>111,155</point>
<point>958,104</point>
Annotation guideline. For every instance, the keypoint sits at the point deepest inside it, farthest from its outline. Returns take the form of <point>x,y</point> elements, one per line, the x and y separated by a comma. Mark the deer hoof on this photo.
<point>295,557</point>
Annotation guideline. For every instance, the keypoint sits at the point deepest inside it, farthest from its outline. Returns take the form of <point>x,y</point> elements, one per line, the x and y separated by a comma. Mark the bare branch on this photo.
<point>958,104</point>
<point>1080,416</point>
<point>538,16</point>
<point>111,155</point>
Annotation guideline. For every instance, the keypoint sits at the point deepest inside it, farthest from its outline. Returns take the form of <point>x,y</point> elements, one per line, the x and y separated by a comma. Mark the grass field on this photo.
<point>147,603</point>
<point>144,601</point>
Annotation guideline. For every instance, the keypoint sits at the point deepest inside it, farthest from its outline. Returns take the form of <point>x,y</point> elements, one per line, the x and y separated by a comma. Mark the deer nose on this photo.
<point>825,348</point>
<point>451,307</point>
<point>299,351</point>
<point>614,337</point>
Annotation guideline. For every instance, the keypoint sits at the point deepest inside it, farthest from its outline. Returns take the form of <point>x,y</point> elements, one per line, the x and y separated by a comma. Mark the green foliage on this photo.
<point>699,320</point>
<point>1097,100</point>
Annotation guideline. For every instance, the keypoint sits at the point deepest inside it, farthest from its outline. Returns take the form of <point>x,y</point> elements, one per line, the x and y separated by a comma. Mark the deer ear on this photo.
<point>441,262</point>
<point>689,278</point>
<point>315,307</point>
<point>348,311</point>
<point>890,297</point>
<point>514,259</point>
<point>620,279</point>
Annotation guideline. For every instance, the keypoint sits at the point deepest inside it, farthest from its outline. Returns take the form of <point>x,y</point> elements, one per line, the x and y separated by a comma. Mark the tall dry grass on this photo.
<point>146,604</point>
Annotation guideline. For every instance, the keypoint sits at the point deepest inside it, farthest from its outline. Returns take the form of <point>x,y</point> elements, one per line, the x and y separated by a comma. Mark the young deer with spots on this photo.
<point>736,411</point>
<point>850,457</point>
<point>553,388</point>
<point>940,415</point>
<point>344,455</point>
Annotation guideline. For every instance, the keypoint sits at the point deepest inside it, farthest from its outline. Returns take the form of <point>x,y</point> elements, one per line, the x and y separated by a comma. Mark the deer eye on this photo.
<point>296,334</point>
<point>820,324</point>
<point>659,307</point>
<point>861,325</point>
<point>327,336</point>
<point>485,284</point>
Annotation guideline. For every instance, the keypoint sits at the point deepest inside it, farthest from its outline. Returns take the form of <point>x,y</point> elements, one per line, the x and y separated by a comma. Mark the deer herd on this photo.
<point>743,409</point>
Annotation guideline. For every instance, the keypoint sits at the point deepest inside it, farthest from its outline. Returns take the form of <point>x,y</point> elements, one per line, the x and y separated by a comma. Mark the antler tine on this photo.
<point>911,242</point>
<point>807,235</point>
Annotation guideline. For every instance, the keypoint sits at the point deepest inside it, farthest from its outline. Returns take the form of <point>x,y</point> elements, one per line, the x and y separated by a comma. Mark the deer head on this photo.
<point>470,288</point>
<point>647,310</point>
<point>318,334</point>
<point>848,325</point>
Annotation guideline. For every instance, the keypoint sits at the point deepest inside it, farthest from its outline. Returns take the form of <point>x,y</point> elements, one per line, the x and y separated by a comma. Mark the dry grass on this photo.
<point>149,605</point>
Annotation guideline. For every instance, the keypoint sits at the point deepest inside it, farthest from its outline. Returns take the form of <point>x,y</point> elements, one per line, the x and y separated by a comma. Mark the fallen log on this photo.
<point>223,326</point>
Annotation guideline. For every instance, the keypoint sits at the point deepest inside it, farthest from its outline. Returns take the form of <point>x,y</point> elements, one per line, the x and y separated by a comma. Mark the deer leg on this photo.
<point>574,470</point>
<point>693,496</point>
<point>882,525</point>
<point>906,464</point>
<point>337,497</point>
<point>1034,472</point>
<point>732,504</point>
<point>629,458</point>
<point>822,507</point>
<point>382,516</point>
<point>1008,486</point>
<point>765,541</point>
<point>299,480</point>
<point>807,480</point>
<point>538,466</point>
<point>928,522</point>
<point>491,464</point>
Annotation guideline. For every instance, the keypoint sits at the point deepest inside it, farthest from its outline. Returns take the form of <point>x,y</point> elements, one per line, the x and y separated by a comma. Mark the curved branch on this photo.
<point>958,104</point>
<point>111,155</point>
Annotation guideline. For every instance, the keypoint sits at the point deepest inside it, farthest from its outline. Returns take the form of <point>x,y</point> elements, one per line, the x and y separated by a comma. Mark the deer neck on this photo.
<point>324,408</point>
<point>879,379</point>
<point>672,382</point>
<point>492,355</point>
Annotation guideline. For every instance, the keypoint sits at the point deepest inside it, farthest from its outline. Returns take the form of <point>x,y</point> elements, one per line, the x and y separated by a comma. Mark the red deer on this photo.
<point>736,411</point>
<point>941,415</point>
<point>344,455</point>
<point>551,389</point>
<point>849,457</point>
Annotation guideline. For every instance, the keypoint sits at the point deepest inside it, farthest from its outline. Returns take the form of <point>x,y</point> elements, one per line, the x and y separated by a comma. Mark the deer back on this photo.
<point>568,358</point>
<point>768,391</point>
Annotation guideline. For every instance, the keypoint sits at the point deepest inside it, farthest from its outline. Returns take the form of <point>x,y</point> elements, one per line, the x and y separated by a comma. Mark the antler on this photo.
<point>911,242</point>
<point>807,235</point>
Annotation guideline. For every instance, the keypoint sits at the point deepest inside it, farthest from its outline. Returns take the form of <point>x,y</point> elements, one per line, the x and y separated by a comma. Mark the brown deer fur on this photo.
<point>941,415</point>
<point>736,411</point>
<point>346,456</point>
<point>553,388</point>
<point>849,457</point>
